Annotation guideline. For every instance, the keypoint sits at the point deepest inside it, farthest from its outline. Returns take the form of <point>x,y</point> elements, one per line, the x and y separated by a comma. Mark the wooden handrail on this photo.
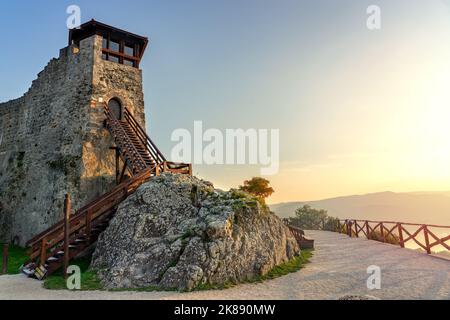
<point>159,157</point>
<point>99,205</point>
<point>354,227</point>
<point>80,213</point>
<point>115,125</point>
<point>298,233</point>
<point>394,222</point>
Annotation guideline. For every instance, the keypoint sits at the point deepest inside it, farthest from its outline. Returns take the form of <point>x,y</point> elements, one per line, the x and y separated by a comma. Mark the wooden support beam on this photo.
<point>400,235</point>
<point>427,239</point>
<point>367,230</point>
<point>122,174</point>
<point>88,225</point>
<point>117,166</point>
<point>356,229</point>
<point>66,233</point>
<point>382,232</point>
<point>43,253</point>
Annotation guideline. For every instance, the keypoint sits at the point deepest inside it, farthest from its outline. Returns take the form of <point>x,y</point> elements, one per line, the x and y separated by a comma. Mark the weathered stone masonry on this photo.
<point>53,142</point>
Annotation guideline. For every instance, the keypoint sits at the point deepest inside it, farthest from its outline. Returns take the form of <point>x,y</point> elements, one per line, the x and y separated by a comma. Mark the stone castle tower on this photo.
<point>53,140</point>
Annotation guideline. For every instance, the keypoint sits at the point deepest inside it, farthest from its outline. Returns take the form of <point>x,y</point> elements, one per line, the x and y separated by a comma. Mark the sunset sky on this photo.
<point>359,111</point>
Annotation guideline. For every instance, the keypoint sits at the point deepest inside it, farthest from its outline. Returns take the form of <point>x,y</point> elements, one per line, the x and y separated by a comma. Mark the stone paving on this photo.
<point>337,269</point>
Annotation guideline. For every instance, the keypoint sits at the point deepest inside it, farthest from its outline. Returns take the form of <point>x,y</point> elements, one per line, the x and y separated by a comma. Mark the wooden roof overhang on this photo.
<point>93,27</point>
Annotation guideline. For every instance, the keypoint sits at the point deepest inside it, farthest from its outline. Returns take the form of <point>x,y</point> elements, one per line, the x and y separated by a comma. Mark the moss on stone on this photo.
<point>64,164</point>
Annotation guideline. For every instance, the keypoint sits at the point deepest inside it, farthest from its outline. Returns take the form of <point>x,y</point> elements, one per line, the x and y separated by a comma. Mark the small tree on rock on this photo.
<point>259,187</point>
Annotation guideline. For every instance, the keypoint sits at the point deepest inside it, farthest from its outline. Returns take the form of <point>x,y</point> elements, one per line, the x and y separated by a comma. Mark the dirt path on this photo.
<point>338,268</point>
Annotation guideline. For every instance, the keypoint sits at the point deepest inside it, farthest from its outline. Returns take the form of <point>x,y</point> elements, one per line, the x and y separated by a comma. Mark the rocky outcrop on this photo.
<point>178,232</point>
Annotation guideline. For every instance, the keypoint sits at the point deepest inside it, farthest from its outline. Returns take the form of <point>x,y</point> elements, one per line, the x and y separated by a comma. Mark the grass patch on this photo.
<point>17,257</point>
<point>291,266</point>
<point>89,278</point>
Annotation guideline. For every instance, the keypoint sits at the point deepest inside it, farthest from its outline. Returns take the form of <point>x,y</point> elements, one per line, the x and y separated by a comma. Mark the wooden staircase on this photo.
<point>141,158</point>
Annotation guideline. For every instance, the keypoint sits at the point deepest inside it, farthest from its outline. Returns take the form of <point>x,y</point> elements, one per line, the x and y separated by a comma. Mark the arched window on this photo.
<point>116,108</point>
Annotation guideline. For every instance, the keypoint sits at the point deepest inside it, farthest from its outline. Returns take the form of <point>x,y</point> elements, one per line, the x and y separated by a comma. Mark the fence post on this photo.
<point>190,169</point>
<point>349,228</point>
<point>5,258</point>
<point>88,224</point>
<point>43,255</point>
<point>382,232</point>
<point>367,230</point>
<point>117,166</point>
<point>356,229</point>
<point>66,233</point>
<point>400,235</point>
<point>427,240</point>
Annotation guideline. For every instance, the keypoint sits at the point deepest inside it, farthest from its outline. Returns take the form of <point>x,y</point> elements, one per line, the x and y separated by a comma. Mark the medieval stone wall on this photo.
<point>53,142</point>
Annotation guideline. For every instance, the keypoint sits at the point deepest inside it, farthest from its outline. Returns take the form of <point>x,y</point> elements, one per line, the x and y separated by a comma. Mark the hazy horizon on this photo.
<point>441,192</point>
<point>409,207</point>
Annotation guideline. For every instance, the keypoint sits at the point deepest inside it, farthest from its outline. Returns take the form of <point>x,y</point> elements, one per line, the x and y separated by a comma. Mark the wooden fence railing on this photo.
<point>423,235</point>
<point>298,234</point>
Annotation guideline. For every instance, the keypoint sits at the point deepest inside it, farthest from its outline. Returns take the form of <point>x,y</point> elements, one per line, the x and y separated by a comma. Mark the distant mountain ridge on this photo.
<point>416,207</point>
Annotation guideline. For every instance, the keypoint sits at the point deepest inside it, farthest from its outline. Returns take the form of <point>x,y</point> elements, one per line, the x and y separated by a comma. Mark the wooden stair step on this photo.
<point>52,259</point>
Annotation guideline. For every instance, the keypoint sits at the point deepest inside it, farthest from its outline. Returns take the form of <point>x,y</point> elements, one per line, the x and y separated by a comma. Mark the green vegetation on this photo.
<point>291,266</point>
<point>17,257</point>
<point>258,187</point>
<point>65,164</point>
<point>309,218</point>
<point>89,278</point>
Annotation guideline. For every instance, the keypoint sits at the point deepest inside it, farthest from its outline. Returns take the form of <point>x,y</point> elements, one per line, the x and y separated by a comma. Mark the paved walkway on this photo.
<point>338,268</point>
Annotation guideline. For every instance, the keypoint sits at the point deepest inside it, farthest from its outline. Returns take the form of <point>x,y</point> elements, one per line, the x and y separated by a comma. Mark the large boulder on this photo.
<point>178,232</point>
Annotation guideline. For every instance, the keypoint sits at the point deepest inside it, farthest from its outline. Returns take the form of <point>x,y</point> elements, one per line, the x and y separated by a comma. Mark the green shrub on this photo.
<point>309,218</point>
<point>331,224</point>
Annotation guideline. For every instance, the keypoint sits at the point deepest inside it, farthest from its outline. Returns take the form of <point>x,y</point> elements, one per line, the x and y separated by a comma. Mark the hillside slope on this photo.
<point>419,207</point>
